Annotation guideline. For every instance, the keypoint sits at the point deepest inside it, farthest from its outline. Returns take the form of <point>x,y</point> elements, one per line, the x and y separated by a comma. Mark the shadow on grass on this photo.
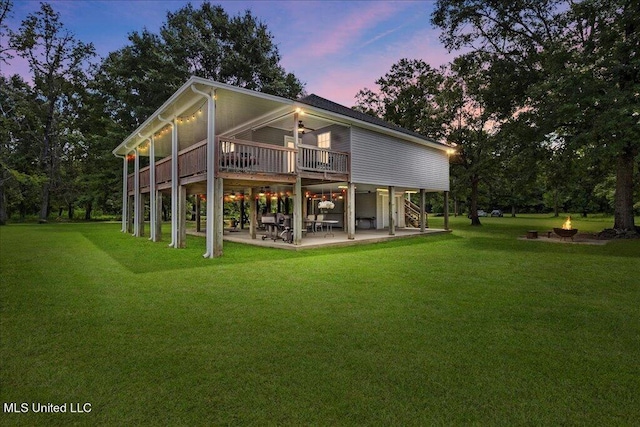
<point>139,255</point>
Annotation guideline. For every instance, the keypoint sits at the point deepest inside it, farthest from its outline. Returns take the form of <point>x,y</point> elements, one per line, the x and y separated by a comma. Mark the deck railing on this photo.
<point>237,156</point>
<point>193,160</point>
<point>163,170</point>
<point>144,177</point>
<point>254,157</point>
<point>323,160</point>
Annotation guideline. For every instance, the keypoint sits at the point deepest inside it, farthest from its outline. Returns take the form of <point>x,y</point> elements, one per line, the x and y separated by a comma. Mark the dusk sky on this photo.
<point>335,47</point>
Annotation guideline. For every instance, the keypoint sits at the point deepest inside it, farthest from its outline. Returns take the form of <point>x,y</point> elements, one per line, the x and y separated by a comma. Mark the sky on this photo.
<point>336,48</point>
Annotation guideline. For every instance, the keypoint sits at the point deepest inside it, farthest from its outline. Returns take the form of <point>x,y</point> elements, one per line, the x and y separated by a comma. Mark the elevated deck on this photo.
<point>247,161</point>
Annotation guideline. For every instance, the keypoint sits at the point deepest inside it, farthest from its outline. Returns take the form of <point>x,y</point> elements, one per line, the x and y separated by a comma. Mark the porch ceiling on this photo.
<point>235,108</point>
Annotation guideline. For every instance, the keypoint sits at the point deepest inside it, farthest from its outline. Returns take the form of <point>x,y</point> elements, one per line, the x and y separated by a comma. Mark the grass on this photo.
<point>474,327</point>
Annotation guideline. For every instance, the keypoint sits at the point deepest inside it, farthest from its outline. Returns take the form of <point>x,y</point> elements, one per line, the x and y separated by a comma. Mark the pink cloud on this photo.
<point>342,81</point>
<point>334,33</point>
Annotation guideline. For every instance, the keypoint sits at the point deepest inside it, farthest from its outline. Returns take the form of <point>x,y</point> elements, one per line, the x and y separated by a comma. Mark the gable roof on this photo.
<point>242,104</point>
<point>324,104</point>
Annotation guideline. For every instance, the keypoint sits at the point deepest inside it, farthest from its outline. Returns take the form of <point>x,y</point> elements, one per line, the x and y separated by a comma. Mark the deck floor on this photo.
<point>321,238</point>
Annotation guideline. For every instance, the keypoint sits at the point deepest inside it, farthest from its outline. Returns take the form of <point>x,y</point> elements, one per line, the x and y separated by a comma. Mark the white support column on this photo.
<point>136,194</point>
<point>351,211</point>
<point>423,217</point>
<point>392,210</point>
<point>175,184</point>
<point>296,142</point>
<point>175,178</point>
<point>125,193</point>
<point>211,162</point>
<point>153,216</point>
<point>297,191</point>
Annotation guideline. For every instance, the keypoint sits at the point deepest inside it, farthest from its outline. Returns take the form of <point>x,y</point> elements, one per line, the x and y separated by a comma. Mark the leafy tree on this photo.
<point>19,124</point>
<point>5,12</point>
<point>134,81</point>
<point>409,95</point>
<point>449,104</point>
<point>58,62</point>
<point>519,159</point>
<point>573,64</point>
<point>206,42</point>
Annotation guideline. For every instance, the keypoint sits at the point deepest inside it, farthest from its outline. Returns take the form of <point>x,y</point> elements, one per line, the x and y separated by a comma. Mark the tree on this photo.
<point>573,64</point>
<point>448,104</point>
<point>409,95</point>
<point>5,12</point>
<point>19,124</point>
<point>58,64</point>
<point>135,80</point>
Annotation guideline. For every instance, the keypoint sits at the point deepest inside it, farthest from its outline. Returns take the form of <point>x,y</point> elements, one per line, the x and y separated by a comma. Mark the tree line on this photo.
<point>59,128</point>
<point>541,106</point>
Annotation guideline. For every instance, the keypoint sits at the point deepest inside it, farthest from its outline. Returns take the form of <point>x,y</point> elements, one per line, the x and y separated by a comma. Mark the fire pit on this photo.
<point>566,231</point>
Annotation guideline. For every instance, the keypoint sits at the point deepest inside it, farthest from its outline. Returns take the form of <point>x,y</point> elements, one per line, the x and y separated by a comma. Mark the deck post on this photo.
<point>297,190</point>
<point>423,217</point>
<point>218,217</point>
<point>242,212</point>
<point>446,210</point>
<point>181,241</point>
<point>130,219</point>
<point>158,215</point>
<point>211,240</point>
<point>198,216</point>
<point>125,193</point>
<point>351,211</point>
<point>297,212</point>
<point>143,200</point>
<point>392,209</point>
<point>136,194</point>
<point>153,217</point>
<point>175,178</point>
<point>253,212</point>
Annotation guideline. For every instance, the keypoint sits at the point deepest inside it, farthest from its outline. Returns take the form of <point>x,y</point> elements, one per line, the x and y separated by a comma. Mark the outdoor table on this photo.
<point>329,223</point>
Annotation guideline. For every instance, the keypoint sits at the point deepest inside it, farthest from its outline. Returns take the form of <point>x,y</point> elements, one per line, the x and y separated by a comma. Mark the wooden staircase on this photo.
<point>411,214</point>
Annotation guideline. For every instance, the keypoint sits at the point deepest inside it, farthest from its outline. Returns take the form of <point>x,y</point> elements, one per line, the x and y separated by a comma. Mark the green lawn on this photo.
<point>472,327</point>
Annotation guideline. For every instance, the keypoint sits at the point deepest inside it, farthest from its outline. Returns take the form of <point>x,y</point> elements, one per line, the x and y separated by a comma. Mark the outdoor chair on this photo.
<point>318,223</point>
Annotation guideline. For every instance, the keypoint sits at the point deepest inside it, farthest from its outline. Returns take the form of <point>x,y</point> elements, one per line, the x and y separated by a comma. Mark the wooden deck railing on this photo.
<point>254,157</point>
<point>144,177</point>
<point>239,156</point>
<point>163,170</point>
<point>193,160</point>
<point>323,160</point>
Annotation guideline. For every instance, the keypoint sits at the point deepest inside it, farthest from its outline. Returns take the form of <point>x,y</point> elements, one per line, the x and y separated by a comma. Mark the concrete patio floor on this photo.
<point>322,239</point>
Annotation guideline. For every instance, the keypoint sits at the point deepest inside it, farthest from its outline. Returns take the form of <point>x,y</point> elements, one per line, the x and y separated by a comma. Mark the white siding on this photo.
<point>383,160</point>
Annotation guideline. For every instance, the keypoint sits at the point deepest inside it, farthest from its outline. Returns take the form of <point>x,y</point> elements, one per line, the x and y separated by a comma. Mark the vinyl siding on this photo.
<point>383,160</point>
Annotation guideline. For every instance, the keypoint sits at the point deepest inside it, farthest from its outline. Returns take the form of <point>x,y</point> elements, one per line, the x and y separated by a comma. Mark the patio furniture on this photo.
<point>310,223</point>
<point>329,224</point>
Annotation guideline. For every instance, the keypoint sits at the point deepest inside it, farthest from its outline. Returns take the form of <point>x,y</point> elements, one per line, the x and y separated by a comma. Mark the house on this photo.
<point>216,140</point>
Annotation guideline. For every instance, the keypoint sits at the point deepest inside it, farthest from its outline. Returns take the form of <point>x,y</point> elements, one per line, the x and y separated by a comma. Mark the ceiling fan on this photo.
<point>302,128</point>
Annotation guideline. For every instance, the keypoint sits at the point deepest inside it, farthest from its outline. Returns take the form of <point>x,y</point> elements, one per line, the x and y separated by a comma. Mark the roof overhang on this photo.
<point>241,106</point>
<point>338,118</point>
